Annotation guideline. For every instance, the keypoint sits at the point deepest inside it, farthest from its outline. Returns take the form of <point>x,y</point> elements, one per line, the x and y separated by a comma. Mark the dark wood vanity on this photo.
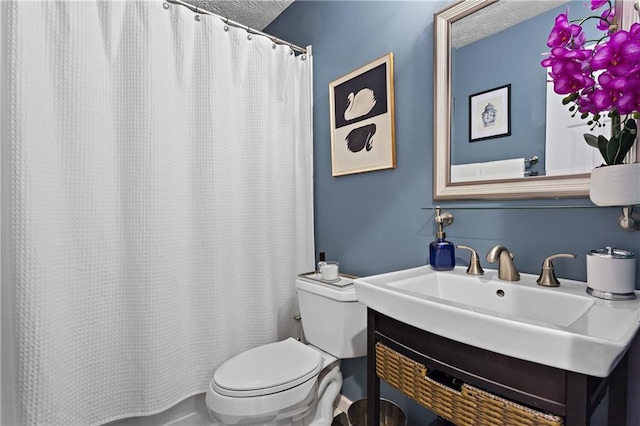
<point>571,395</point>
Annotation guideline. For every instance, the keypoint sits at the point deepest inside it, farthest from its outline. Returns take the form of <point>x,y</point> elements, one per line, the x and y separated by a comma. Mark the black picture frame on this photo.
<point>490,114</point>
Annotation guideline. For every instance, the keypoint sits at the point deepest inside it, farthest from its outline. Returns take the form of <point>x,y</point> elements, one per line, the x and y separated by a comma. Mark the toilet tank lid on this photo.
<point>345,293</point>
<point>267,369</point>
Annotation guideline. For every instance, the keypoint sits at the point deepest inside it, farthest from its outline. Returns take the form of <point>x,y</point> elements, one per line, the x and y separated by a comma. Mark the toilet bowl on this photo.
<point>269,384</point>
<point>289,382</point>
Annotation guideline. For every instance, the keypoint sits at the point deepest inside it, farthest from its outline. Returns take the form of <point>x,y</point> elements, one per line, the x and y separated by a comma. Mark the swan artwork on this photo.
<point>359,104</point>
<point>361,138</point>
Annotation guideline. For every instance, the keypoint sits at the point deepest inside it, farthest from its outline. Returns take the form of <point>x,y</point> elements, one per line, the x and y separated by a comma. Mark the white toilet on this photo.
<point>289,382</point>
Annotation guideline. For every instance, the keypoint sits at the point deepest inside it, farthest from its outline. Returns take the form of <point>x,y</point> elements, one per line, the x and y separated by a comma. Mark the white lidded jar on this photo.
<point>611,274</point>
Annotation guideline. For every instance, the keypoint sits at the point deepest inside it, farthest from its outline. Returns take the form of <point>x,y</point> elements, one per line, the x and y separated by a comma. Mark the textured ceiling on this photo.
<point>256,14</point>
<point>497,17</point>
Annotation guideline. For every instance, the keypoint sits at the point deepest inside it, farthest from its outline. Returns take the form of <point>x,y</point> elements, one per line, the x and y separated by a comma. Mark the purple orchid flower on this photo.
<point>628,103</point>
<point>562,32</point>
<point>568,70</point>
<point>571,82</point>
<point>585,103</point>
<point>597,4</point>
<point>620,55</point>
<point>607,20</point>
<point>610,91</point>
<point>579,41</point>
<point>629,100</point>
<point>561,58</point>
<point>634,32</point>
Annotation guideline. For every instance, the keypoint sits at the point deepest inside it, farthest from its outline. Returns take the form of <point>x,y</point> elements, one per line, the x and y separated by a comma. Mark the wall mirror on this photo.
<point>529,153</point>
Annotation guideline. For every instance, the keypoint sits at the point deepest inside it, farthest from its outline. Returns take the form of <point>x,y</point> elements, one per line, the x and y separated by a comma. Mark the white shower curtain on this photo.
<point>157,200</point>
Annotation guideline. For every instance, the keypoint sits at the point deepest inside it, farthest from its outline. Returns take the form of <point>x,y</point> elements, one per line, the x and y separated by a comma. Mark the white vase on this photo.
<point>617,185</point>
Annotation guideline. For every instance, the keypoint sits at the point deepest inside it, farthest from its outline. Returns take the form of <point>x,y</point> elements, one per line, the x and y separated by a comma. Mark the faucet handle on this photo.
<point>474,262</point>
<point>547,277</point>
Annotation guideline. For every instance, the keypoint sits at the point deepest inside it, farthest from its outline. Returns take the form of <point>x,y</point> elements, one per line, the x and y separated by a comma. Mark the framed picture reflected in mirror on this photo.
<point>490,114</point>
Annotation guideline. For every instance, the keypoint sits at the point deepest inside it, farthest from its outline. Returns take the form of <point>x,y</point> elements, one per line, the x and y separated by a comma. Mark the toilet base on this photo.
<point>329,389</point>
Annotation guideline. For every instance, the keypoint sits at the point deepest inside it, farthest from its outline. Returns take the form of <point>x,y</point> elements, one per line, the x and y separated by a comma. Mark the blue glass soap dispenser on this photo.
<point>442,255</point>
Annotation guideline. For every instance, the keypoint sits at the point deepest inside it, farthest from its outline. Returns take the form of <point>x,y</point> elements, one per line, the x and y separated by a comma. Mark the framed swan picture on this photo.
<point>362,119</point>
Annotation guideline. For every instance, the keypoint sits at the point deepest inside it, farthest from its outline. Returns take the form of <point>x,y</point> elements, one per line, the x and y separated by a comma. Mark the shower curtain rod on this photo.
<point>231,22</point>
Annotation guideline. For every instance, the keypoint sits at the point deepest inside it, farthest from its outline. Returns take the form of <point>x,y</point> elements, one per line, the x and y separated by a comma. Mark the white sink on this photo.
<point>561,327</point>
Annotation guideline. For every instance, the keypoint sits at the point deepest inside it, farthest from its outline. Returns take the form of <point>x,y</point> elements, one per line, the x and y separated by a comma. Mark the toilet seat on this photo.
<point>267,369</point>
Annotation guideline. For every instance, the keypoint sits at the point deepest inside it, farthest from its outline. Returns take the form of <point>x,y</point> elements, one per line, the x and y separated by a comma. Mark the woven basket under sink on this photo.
<point>469,406</point>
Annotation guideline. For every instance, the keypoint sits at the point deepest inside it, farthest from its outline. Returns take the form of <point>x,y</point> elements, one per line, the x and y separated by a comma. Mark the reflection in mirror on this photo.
<point>542,126</point>
<point>481,45</point>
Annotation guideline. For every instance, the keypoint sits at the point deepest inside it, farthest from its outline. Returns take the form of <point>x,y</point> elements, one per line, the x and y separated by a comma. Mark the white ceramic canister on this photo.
<point>611,273</point>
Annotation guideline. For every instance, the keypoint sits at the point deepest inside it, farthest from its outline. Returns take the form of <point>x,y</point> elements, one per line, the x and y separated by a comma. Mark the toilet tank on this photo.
<point>332,318</point>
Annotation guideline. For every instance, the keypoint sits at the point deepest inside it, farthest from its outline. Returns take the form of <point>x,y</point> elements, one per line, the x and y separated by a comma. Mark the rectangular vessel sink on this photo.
<point>561,327</point>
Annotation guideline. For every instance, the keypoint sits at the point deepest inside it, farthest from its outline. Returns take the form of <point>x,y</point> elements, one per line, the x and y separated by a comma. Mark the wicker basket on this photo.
<point>469,406</point>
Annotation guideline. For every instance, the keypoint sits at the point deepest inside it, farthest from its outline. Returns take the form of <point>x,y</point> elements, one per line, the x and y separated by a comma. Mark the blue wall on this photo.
<point>377,222</point>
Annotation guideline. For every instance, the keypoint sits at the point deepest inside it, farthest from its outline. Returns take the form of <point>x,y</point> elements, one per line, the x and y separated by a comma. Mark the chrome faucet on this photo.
<point>506,269</point>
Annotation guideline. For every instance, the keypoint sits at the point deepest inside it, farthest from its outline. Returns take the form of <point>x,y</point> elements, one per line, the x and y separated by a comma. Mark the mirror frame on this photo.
<point>566,186</point>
